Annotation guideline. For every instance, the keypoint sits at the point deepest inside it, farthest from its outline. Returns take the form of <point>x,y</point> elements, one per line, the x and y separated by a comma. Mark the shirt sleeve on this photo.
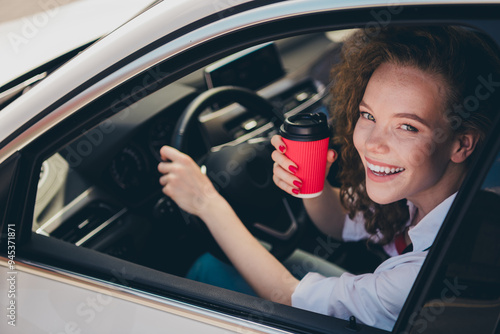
<point>374,299</point>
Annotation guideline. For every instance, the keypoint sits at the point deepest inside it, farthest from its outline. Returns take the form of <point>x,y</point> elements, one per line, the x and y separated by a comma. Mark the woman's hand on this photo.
<point>183,181</point>
<point>284,169</point>
<point>325,210</point>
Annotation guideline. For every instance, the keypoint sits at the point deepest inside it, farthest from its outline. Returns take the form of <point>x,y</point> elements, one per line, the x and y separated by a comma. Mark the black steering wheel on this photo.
<point>242,173</point>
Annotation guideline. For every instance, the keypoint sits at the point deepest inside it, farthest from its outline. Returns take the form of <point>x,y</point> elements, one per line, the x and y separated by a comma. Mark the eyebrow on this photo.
<point>402,115</point>
<point>413,117</point>
<point>363,103</point>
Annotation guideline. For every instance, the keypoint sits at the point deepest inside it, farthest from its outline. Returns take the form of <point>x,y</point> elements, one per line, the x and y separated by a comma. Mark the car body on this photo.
<point>89,242</point>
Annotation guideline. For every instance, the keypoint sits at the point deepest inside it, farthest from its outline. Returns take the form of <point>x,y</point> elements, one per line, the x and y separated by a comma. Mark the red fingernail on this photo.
<point>282,148</point>
<point>298,184</point>
<point>295,191</point>
<point>292,169</point>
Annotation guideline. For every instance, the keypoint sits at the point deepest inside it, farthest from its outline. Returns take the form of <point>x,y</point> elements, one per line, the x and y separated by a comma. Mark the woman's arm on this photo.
<point>262,271</point>
<point>325,210</point>
<point>183,181</point>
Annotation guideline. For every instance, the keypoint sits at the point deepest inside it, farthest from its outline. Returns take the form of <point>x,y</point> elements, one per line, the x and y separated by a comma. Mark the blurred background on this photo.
<point>33,32</point>
<point>14,9</point>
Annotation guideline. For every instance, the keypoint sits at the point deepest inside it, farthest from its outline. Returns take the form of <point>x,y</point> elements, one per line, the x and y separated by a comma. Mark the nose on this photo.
<point>376,142</point>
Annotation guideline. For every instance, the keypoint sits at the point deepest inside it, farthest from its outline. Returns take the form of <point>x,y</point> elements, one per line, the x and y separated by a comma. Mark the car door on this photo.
<point>86,290</point>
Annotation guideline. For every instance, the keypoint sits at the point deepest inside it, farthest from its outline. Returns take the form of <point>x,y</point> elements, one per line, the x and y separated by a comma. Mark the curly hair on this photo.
<point>457,57</point>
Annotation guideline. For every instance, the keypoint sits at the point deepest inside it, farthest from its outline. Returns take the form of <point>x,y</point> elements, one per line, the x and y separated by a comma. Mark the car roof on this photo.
<point>121,45</point>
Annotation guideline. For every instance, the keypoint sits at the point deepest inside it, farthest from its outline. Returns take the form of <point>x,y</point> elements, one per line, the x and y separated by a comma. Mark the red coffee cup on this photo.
<point>306,136</point>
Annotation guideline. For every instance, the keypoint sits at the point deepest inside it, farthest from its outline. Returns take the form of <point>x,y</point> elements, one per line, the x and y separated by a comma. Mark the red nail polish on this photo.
<point>282,148</point>
<point>295,191</point>
<point>292,169</point>
<point>298,184</point>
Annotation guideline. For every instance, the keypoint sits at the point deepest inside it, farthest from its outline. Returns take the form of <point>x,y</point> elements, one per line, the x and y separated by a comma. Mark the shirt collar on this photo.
<point>423,234</point>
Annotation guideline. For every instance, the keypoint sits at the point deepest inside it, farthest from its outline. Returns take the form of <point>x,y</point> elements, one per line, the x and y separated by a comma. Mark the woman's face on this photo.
<point>403,138</point>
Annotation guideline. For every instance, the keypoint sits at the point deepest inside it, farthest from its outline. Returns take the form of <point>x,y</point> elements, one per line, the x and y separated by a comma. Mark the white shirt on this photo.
<point>375,299</point>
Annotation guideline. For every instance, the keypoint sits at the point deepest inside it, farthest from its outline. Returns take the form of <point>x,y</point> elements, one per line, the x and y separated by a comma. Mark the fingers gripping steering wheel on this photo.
<point>242,173</point>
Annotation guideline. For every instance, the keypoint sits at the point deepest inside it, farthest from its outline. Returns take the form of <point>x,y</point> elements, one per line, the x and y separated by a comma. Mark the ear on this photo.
<point>463,147</point>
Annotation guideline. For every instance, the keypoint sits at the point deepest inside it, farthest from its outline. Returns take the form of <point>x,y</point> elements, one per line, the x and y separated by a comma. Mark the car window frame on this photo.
<point>34,154</point>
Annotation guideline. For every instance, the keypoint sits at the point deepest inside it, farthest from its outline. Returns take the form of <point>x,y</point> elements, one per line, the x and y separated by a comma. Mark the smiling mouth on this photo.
<point>384,171</point>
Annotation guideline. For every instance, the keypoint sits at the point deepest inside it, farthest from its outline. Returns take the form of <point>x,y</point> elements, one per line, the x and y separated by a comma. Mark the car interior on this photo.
<point>101,191</point>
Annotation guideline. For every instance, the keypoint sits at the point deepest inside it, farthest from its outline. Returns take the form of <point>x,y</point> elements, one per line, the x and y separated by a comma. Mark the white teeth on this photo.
<point>386,170</point>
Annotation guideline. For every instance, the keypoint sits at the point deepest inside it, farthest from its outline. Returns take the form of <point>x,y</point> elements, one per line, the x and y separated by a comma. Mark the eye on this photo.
<point>408,127</point>
<point>367,115</point>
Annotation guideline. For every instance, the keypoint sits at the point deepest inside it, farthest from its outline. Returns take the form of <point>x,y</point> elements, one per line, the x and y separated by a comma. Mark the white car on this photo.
<point>89,243</point>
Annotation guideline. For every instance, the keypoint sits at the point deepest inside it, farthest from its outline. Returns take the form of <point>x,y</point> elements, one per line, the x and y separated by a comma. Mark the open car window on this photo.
<point>101,189</point>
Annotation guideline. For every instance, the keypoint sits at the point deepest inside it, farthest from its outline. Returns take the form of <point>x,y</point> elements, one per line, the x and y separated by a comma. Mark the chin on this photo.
<point>381,197</point>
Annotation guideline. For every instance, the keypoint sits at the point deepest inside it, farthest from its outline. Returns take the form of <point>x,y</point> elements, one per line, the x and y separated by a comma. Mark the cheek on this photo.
<point>358,138</point>
<point>424,153</point>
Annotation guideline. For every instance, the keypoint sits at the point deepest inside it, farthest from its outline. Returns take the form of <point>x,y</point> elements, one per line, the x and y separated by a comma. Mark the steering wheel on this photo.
<point>242,173</point>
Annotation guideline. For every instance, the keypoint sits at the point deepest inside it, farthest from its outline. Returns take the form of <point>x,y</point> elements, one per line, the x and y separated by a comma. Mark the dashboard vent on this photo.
<point>86,223</point>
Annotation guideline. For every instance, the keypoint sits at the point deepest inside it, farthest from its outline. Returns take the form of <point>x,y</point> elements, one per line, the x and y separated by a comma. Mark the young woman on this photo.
<point>407,128</point>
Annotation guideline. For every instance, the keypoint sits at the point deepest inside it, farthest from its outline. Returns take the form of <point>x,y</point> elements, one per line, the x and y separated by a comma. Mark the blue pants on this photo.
<point>210,270</point>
